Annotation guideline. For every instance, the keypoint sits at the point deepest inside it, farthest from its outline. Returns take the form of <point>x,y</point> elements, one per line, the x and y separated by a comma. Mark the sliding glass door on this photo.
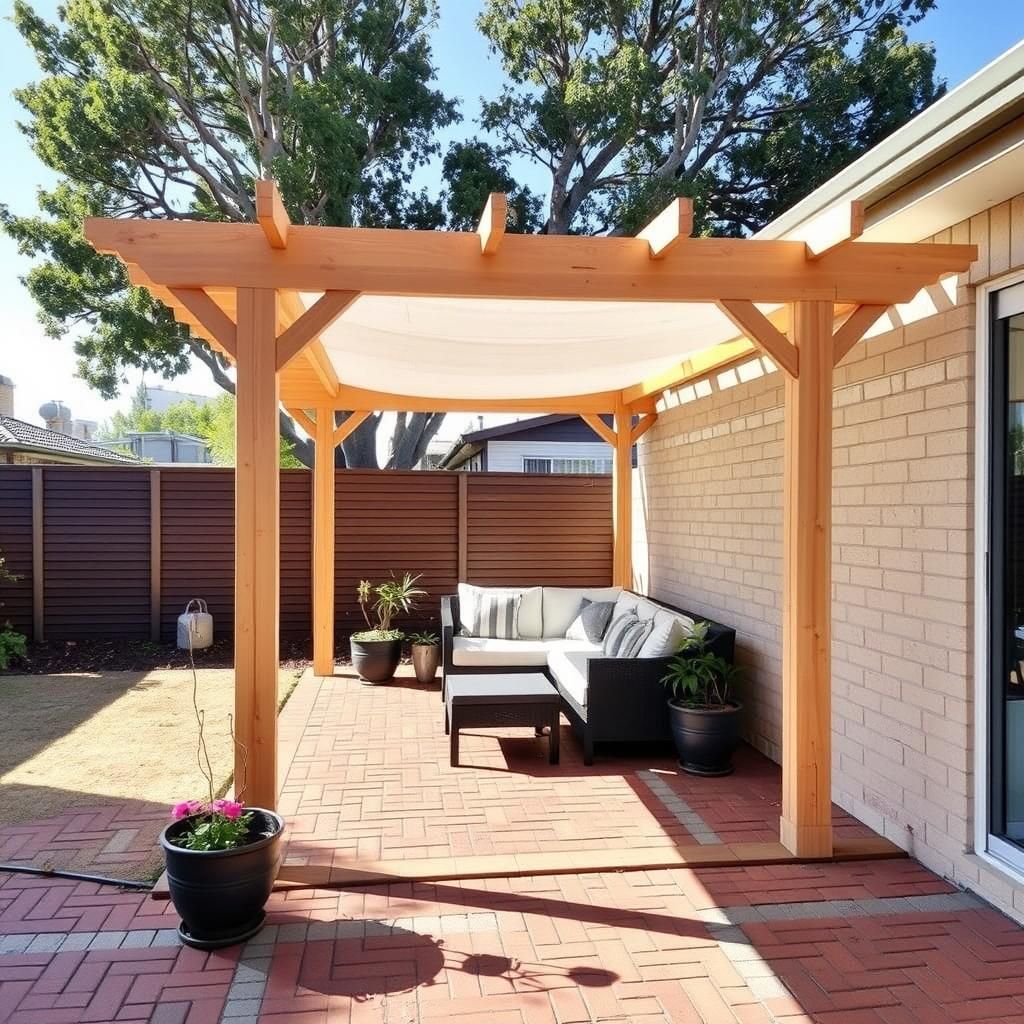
<point>1006,579</point>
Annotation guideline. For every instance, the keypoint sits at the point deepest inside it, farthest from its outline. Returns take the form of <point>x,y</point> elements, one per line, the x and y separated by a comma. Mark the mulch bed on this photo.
<point>60,657</point>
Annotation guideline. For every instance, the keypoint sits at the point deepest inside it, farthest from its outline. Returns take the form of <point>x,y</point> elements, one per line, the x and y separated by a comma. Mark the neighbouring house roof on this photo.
<point>17,435</point>
<point>534,428</point>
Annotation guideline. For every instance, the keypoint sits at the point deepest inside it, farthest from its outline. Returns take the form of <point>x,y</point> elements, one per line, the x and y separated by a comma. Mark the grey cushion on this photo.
<point>497,616</point>
<point>592,621</point>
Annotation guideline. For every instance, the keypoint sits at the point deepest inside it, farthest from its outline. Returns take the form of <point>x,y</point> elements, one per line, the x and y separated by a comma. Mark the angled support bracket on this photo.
<point>599,427</point>
<point>210,316</point>
<point>756,326</point>
<point>856,325</point>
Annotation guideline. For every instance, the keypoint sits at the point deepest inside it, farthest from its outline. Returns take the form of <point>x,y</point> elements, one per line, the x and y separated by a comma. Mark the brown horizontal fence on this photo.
<point>116,553</point>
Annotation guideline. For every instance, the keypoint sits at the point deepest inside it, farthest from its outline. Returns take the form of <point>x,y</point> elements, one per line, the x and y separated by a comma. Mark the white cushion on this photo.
<point>562,605</point>
<point>530,605</point>
<point>569,669</point>
<point>646,610</point>
<point>478,650</point>
<point>669,631</point>
<point>624,604</point>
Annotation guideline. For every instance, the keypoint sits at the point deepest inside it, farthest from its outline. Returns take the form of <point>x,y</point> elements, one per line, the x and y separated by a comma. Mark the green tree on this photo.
<point>745,107</point>
<point>213,421</point>
<point>149,108</point>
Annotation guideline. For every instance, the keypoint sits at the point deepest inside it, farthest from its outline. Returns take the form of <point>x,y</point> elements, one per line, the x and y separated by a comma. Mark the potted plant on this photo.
<point>377,650</point>
<point>426,656</point>
<point>221,857</point>
<point>703,716</point>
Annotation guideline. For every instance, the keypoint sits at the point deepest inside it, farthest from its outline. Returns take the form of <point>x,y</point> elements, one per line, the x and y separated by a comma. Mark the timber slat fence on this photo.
<point>116,553</point>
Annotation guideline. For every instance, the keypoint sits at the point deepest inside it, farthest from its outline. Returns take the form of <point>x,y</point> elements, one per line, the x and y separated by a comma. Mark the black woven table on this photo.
<point>522,698</point>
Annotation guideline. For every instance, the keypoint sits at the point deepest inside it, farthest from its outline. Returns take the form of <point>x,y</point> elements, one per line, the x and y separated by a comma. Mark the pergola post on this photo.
<point>257,547</point>
<point>323,544</point>
<point>622,500</point>
<point>806,819</point>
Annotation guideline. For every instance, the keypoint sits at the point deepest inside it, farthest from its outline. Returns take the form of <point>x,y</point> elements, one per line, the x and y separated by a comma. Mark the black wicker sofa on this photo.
<point>605,699</point>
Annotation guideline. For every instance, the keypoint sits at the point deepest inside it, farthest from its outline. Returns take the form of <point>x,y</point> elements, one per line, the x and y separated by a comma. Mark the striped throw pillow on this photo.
<point>626,636</point>
<point>616,632</point>
<point>496,616</point>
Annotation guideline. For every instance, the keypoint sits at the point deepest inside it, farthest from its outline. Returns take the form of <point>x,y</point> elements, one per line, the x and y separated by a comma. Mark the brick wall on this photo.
<point>709,538</point>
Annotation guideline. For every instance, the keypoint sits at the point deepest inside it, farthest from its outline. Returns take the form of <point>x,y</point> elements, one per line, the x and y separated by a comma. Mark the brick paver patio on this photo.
<point>874,942</point>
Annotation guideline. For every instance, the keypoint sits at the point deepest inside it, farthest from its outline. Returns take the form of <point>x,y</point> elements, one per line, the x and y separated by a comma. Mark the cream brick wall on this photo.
<point>709,538</point>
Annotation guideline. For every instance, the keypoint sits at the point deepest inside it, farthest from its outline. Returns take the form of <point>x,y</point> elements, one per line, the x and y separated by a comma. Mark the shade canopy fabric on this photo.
<point>513,348</point>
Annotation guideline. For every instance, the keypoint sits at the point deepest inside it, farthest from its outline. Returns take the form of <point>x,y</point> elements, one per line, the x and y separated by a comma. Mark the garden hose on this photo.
<point>77,876</point>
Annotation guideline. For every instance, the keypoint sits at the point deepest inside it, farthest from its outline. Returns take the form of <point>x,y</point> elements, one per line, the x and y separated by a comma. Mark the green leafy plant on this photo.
<point>424,640</point>
<point>395,596</point>
<point>12,643</point>
<point>698,678</point>
<point>12,646</point>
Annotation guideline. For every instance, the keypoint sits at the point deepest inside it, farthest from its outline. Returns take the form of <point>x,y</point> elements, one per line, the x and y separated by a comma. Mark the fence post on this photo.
<point>155,554</point>
<point>38,592</point>
<point>463,526</point>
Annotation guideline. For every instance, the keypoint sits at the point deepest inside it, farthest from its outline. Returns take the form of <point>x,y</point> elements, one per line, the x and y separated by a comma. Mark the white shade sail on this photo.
<point>507,348</point>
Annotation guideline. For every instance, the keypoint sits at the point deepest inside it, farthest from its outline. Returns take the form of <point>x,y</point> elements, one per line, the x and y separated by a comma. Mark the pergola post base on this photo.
<point>810,841</point>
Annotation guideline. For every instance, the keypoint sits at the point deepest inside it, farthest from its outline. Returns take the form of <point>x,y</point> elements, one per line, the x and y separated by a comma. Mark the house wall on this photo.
<point>709,502</point>
<point>507,456</point>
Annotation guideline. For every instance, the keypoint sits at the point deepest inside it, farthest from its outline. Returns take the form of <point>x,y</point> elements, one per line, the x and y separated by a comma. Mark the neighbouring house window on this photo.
<point>580,466</point>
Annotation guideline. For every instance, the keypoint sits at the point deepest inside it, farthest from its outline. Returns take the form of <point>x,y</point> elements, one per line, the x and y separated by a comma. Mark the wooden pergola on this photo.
<point>245,289</point>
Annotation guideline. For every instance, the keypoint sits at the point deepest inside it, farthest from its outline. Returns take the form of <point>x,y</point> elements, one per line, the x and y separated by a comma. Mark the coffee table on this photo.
<point>501,699</point>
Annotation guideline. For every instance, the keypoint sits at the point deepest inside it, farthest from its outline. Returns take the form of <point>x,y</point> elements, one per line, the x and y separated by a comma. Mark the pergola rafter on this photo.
<point>238,286</point>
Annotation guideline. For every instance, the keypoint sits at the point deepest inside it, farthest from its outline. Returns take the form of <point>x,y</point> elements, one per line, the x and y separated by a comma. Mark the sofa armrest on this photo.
<point>449,627</point>
<point>626,699</point>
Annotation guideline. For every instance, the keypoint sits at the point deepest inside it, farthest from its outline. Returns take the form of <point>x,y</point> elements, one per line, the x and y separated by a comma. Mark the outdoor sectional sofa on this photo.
<point>606,699</point>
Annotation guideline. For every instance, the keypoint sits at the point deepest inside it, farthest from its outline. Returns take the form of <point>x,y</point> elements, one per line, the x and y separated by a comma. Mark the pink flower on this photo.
<point>185,808</point>
<point>229,808</point>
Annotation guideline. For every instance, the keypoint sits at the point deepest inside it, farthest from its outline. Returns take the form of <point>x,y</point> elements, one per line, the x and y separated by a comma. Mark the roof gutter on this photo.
<point>987,101</point>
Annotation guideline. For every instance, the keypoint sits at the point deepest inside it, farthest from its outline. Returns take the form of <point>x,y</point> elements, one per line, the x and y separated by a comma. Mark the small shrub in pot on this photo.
<point>426,656</point>
<point>377,650</point>
<point>703,716</point>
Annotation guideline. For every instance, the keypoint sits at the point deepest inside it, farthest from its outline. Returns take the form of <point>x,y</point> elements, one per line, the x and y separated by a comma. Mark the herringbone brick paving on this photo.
<point>634,946</point>
<point>370,780</point>
<point>879,942</point>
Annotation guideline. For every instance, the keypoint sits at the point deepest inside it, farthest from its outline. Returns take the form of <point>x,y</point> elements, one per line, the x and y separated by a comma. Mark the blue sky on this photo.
<point>967,34</point>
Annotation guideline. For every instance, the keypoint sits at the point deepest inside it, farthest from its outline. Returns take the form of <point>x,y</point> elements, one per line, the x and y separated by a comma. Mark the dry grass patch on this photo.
<point>66,740</point>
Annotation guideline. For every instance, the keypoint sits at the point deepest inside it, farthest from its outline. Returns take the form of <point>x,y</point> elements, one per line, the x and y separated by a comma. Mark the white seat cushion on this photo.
<point>569,669</point>
<point>562,605</point>
<point>530,605</point>
<point>478,650</point>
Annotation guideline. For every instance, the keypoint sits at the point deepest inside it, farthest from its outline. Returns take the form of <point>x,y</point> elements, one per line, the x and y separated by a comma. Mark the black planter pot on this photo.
<point>376,661</point>
<point>220,894</point>
<point>705,739</point>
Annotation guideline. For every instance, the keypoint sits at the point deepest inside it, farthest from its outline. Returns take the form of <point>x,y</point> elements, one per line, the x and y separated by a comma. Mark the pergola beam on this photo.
<point>673,224</point>
<point>835,227</point>
<point>271,214</point>
<point>349,397</point>
<point>645,424</point>
<point>493,221</point>
<point>388,262</point>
